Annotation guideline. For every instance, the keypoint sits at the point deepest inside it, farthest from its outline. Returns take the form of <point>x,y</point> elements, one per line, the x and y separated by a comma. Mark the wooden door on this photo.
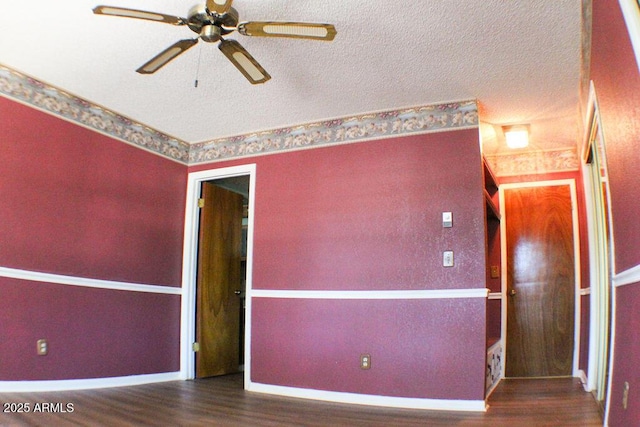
<point>219,276</point>
<point>540,281</point>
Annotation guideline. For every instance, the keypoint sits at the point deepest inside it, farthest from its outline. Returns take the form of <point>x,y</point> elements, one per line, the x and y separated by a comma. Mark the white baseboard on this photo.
<point>82,384</point>
<point>583,379</point>
<point>492,388</point>
<point>371,400</point>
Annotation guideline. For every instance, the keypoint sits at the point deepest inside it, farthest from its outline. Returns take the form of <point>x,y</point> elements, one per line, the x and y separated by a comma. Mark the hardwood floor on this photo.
<point>222,402</point>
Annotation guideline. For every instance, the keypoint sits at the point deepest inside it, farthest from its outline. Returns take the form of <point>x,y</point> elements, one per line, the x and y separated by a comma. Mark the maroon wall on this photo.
<point>626,356</point>
<point>330,213</point>
<point>617,81</point>
<point>419,348</point>
<point>77,203</point>
<point>91,333</point>
<point>368,216</point>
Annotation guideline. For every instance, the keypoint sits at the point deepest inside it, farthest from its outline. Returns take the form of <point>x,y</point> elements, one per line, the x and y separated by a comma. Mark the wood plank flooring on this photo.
<point>222,402</point>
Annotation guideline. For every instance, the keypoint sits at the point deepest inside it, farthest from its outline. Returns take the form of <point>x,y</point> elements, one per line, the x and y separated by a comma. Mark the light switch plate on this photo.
<point>447,219</point>
<point>447,259</point>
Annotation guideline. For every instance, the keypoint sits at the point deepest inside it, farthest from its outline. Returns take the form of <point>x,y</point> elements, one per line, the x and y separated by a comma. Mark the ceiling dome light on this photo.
<point>517,136</point>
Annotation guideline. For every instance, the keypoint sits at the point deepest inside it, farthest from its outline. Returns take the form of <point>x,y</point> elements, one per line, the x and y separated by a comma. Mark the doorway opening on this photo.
<point>221,276</point>
<point>215,329</point>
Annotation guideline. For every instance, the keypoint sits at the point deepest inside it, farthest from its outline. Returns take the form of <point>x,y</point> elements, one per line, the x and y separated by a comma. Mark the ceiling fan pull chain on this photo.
<point>198,66</point>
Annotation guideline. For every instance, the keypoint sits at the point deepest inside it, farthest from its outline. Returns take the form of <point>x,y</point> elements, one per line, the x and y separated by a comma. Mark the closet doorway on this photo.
<point>221,273</point>
<point>543,264</point>
<point>218,244</point>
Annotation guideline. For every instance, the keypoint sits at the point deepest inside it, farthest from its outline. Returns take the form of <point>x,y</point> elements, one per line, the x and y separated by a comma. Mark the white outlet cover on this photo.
<point>447,259</point>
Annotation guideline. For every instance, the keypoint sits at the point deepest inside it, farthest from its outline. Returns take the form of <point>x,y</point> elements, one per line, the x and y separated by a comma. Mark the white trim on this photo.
<point>375,400</point>
<point>612,340</point>
<point>627,277</point>
<point>503,279</point>
<point>631,13</point>
<point>84,384</point>
<point>585,291</point>
<point>601,255</point>
<point>583,379</point>
<point>533,184</point>
<point>58,279</point>
<point>495,295</point>
<point>576,255</point>
<point>493,387</point>
<point>590,385</point>
<point>190,260</point>
<point>368,295</point>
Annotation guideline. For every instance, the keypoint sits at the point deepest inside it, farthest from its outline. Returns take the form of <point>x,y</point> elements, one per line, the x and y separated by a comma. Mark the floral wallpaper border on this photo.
<point>415,120</point>
<point>535,162</point>
<point>423,119</point>
<point>57,102</point>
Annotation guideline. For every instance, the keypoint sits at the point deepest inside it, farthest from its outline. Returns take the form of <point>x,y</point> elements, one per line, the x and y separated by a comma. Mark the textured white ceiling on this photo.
<point>519,58</point>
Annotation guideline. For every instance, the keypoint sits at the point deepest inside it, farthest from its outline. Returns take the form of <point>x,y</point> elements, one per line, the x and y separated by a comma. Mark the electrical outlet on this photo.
<point>42,347</point>
<point>447,259</point>
<point>495,272</point>
<point>365,361</point>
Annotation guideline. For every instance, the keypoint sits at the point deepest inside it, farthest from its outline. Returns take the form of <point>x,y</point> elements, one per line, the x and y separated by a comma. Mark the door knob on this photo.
<point>237,292</point>
<point>512,293</point>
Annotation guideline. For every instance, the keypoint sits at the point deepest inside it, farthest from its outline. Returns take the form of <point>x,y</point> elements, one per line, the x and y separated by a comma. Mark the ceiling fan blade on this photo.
<point>219,6</point>
<point>163,58</point>
<point>243,61</point>
<point>302,30</point>
<point>139,14</point>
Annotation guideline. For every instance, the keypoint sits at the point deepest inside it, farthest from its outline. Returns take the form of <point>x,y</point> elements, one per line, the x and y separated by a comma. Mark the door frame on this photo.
<point>576,255</point>
<point>190,265</point>
<point>601,254</point>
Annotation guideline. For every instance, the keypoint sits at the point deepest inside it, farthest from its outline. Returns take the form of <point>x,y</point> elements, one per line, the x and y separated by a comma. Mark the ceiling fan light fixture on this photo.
<point>517,136</point>
<point>210,33</point>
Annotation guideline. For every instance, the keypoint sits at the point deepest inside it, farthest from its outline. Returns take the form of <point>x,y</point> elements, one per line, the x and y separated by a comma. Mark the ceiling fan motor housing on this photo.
<point>210,33</point>
<point>211,26</point>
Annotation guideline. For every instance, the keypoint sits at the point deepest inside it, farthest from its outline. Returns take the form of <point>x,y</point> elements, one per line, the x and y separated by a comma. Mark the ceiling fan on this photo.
<point>215,19</point>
